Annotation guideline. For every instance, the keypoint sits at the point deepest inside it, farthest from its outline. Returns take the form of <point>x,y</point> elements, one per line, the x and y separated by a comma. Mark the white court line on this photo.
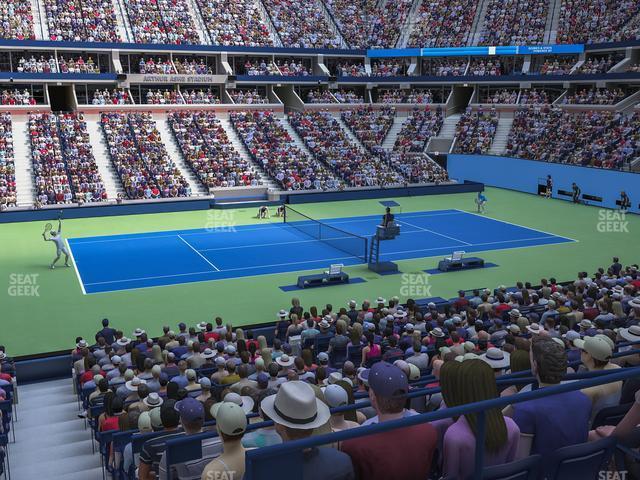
<point>435,233</point>
<point>75,267</point>
<point>265,244</point>
<point>141,236</point>
<point>521,226</point>
<point>149,278</point>
<point>201,256</point>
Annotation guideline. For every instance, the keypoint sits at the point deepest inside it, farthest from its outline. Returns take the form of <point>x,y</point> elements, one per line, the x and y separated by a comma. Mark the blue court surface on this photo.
<point>125,262</point>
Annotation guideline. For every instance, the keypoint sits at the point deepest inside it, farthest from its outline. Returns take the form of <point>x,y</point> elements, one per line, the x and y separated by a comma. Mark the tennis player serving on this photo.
<point>55,236</point>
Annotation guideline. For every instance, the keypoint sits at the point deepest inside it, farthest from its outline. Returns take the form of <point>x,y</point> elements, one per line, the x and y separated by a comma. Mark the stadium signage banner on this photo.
<point>477,51</point>
<point>194,79</point>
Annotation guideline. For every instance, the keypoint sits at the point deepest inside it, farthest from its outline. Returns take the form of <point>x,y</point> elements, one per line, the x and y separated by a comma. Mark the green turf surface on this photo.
<point>51,321</point>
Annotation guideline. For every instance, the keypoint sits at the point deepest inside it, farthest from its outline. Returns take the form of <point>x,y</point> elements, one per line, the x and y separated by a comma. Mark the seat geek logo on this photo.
<point>23,285</point>
<point>415,284</point>
<point>610,221</point>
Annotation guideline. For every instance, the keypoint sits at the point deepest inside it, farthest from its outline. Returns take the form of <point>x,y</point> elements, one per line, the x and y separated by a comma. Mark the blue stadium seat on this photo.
<point>526,469</point>
<point>582,461</point>
<point>610,415</point>
<point>337,357</point>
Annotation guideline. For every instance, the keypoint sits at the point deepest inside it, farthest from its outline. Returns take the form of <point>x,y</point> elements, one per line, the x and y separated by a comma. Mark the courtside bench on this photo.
<point>448,265</point>
<point>322,280</point>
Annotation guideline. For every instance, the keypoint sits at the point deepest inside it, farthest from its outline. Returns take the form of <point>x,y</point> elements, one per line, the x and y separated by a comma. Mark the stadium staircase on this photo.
<point>266,18</point>
<point>112,183</point>
<point>194,12</point>
<point>25,183</point>
<point>407,28</point>
<point>124,27</point>
<point>240,147</point>
<point>443,142</point>
<point>333,26</point>
<point>297,140</point>
<point>551,29</point>
<point>477,27</point>
<point>47,431</point>
<point>350,135</point>
<point>502,135</point>
<point>169,141</point>
<point>40,16</point>
<point>392,135</point>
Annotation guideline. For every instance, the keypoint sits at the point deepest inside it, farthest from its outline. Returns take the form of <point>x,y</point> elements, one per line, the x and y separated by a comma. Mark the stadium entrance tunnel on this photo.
<point>62,98</point>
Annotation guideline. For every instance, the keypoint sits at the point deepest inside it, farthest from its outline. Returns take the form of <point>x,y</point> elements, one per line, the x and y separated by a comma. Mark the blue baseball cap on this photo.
<point>387,380</point>
<point>190,410</point>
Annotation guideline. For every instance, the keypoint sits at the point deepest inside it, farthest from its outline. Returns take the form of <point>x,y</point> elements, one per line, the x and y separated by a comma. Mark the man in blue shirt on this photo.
<point>107,332</point>
<point>558,420</point>
<point>481,202</point>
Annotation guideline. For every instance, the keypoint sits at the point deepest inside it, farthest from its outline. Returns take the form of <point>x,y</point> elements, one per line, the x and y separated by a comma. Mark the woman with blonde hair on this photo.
<point>262,343</point>
<point>156,353</point>
<point>474,381</point>
<point>265,353</point>
<point>239,334</point>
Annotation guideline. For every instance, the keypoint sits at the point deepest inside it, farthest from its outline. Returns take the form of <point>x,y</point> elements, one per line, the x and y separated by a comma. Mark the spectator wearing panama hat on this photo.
<point>497,359</point>
<point>376,456</point>
<point>296,412</point>
<point>631,334</point>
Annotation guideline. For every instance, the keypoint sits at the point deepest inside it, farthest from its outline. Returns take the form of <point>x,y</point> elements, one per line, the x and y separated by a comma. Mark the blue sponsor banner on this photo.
<point>477,51</point>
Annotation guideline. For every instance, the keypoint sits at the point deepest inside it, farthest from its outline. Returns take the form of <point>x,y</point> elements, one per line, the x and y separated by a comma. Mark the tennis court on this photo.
<point>133,261</point>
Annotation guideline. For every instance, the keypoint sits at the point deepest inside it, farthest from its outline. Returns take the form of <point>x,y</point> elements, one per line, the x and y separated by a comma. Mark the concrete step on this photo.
<point>502,135</point>
<point>354,140</point>
<point>25,183</point>
<point>448,129</point>
<point>392,135</point>
<point>107,171</point>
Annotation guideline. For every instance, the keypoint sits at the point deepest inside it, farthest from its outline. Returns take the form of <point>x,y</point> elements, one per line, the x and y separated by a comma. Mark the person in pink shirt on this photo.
<point>474,381</point>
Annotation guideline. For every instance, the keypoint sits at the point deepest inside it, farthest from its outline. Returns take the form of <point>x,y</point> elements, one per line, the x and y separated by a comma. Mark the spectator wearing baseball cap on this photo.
<point>231,423</point>
<point>336,396</point>
<point>152,449</point>
<point>377,456</point>
<point>548,419</point>
<point>296,412</point>
<point>469,382</point>
<point>596,354</point>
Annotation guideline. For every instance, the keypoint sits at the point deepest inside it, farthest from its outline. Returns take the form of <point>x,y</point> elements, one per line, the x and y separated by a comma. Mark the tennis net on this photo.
<point>350,243</point>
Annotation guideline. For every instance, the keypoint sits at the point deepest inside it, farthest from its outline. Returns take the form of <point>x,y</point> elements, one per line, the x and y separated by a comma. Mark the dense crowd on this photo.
<point>192,66</point>
<point>77,65</point>
<point>557,66</point>
<point>417,167</point>
<point>421,124</point>
<point>16,20</point>
<point>413,95</point>
<point>200,96</point>
<point>16,97</point>
<point>599,139</point>
<point>319,96</point>
<point>82,20</point>
<point>161,21</point>
<point>7,166</point>
<point>369,125</point>
<point>159,66</point>
<point>141,160</point>
<point>348,96</point>
<point>116,96</point>
<point>207,149</point>
<point>596,21</point>
<point>318,359</point>
<point>594,96</point>
<point>503,95</point>
<point>443,23</point>
<point>237,23</point>
<point>534,96</point>
<point>258,67</point>
<point>481,67</point>
<point>163,97</point>
<point>387,22</point>
<point>389,67</point>
<point>514,22</point>
<point>271,147</point>
<point>330,144</point>
<point>301,24</point>
<point>354,19</point>
<point>248,97</point>
<point>597,65</point>
<point>446,67</point>
<point>350,69</point>
<point>475,131</point>
<point>64,167</point>
<point>37,65</point>
<point>292,68</point>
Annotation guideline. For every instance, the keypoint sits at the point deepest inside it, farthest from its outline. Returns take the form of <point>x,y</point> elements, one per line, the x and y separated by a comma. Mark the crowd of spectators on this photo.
<point>514,22</point>
<point>7,166</point>
<point>82,20</point>
<point>414,95</point>
<point>387,22</point>
<point>301,24</point>
<point>350,69</point>
<point>557,66</point>
<point>325,138</point>
<point>192,66</point>
<point>389,67</point>
<point>481,67</point>
<point>16,97</point>
<point>161,21</point>
<point>369,125</point>
<point>77,65</point>
<point>598,139</point>
<point>322,358</point>
<point>116,96</point>
<point>319,96</point>
<point>503,95</point>
<point>354,19</point>
<point>159,66</point>
<point>206,147</point>
<point>475,130</point>
<point>597,65</point>
<point>163,97</point>
<point>594,96</point>
<point>445,67</point>
<point>293,69</point>
<point>259,67</point>
<point>200,96</point>
<point>237,23</point>
<point>248,97</point>
<point>443,23</point>
<point>534,96</point>
<point>37,65</point>
<point>63,164</point>
<point>140,158</point>
<point>596,21</point>
<point>417,167</point>
<point>348,96</point>
<point>16,20</point>
<point>271,147</point>
<point>421,124</point>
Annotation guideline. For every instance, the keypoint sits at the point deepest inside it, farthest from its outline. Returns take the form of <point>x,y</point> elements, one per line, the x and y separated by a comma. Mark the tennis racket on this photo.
<point>47,228</point>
